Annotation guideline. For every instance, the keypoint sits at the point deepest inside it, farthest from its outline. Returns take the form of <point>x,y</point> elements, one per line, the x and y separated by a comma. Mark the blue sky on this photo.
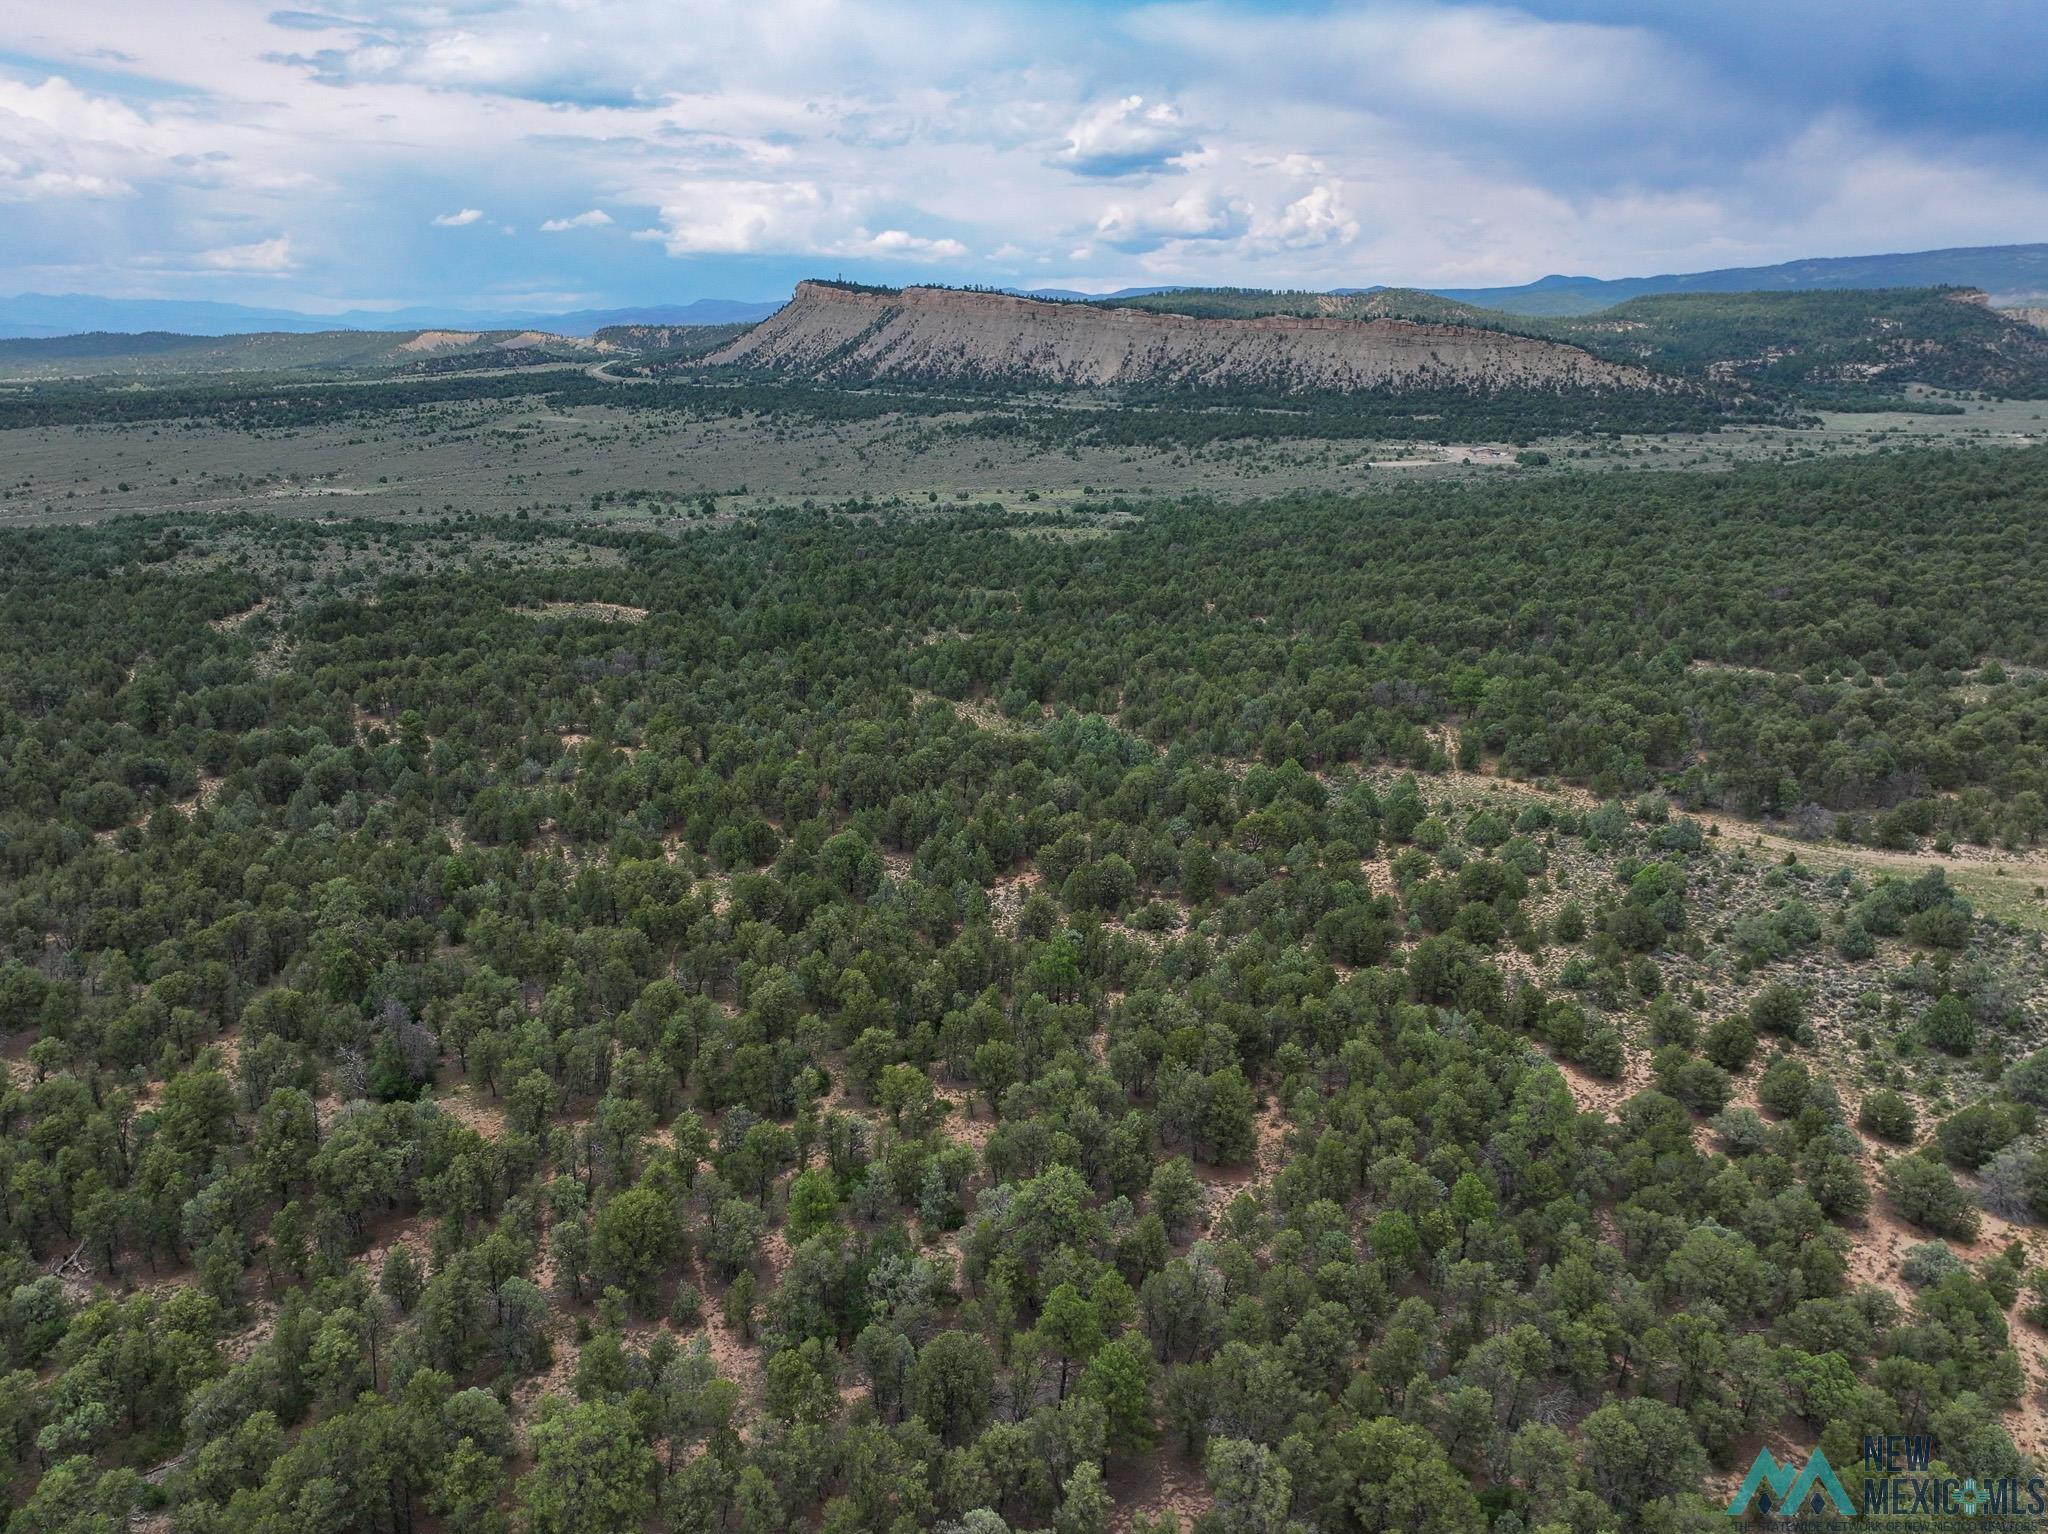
<point>584,153</point>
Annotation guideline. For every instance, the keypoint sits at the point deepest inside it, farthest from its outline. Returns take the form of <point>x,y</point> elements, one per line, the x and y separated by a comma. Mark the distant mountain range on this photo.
<point>2012,275</point>
<point>160,354</point>
<point>1824,345</point>
<point>45,314</point>
<point>1075,295</point>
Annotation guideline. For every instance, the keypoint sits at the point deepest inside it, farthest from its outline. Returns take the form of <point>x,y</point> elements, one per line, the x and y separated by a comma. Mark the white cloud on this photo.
<point>22,182</point>
<point>740,217</point>
<point>596,218</point>
<point>272,255</point>
<point>1184,140</point>
<point>1296,165</point>
<point>1448,67</point>
<point>57,141</point>
<point>1194,215</point>
<point>1125,137</point>
<point>1317,218</point>
<point>897,242</point>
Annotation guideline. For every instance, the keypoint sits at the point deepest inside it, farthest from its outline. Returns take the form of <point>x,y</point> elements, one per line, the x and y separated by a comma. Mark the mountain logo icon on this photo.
<point>1789,1488</point>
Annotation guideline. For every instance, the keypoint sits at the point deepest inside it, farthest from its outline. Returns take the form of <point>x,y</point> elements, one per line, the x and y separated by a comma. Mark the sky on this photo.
<point>561,154</point>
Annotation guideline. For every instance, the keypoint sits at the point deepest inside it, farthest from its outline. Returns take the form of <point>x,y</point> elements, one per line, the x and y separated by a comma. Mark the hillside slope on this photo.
<point>1831,343</point>
<point>670,343</point>
<point>1948,338</point>
<point>159,353</point>
<point>1257,303</point>
<point>946,335</point>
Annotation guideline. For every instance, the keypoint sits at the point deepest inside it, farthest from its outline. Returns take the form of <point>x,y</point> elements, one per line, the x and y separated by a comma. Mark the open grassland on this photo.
<point>503,456</point>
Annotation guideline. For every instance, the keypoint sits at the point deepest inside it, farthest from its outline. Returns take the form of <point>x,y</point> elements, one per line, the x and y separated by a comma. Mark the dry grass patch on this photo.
<point>596,612</point>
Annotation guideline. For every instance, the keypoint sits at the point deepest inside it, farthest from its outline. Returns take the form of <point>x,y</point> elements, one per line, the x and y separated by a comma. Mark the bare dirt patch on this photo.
<point>440,340</point>
<point>1596,1094</point>
<point>962,1125</point>
<point>1007,895</point>
<point>1269,1154</point>
<point>485,1115</point>
<point>1157,1484</point>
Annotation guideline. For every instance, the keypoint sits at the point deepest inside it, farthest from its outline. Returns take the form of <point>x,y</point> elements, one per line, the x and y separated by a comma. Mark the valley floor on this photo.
<point>504,456</point>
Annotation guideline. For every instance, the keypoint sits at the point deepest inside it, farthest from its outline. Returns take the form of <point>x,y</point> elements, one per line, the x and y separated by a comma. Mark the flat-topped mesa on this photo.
<point>938,335</point>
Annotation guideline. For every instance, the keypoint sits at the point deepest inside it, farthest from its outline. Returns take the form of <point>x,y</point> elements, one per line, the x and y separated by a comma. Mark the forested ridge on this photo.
<point>1831,345</point>
<point>1860,637</point>
<point>956,1020</point>
<point>673,383</point>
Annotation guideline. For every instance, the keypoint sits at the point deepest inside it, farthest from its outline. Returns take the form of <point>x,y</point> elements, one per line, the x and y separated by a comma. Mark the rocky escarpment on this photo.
<point>947,335</point>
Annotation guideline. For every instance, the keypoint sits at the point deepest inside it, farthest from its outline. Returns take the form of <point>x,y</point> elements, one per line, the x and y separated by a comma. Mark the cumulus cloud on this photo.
<point>1194,215</point>
<point>896,242</point>
<point>749,217</point>
<point>1316,218</point>
<point>740,217</point>
<point>1126,137</point>
<point>1181,141</point>
<point>58,141</point>
<point>272,255</point>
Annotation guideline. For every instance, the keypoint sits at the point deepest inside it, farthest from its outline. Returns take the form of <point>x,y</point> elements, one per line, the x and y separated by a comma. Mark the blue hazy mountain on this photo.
<point>1073,295</point>
<point>45,314</point>
<point>2009,273</point>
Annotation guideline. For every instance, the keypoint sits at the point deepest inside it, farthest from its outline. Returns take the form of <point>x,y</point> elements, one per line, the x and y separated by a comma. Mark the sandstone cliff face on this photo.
<point>941,334</point>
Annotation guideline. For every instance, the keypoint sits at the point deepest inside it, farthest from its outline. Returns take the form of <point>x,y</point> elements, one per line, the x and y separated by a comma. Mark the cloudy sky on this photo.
<point>569,153</point>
